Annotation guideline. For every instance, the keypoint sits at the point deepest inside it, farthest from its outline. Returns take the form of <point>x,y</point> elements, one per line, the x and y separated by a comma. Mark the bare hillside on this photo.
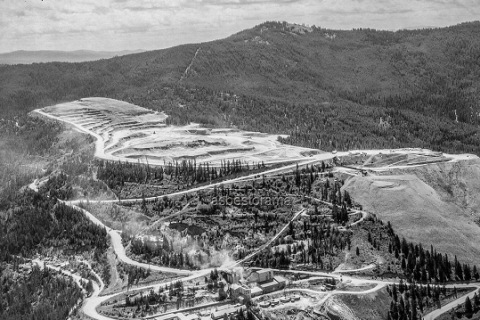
<point>430,204</point>
<point>456,182</point>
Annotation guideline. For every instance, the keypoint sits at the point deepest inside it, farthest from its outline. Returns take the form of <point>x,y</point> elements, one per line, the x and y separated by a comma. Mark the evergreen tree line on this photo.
<point>423,265</point>
<point>410,301</point>
<point>134,274</point>
<point>324,242</point>
<point>164,254</point>
<point>174,289</point>
<point>116,173</point>
<point>471,306</point>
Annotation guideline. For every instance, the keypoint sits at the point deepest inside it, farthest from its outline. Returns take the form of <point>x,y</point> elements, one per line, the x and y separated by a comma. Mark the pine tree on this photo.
<point>466,272</point>
<point>401,286</point>
<point>476,301</point>
<point>468,306</point>
<point>89,286</point>
<point>394,293</point>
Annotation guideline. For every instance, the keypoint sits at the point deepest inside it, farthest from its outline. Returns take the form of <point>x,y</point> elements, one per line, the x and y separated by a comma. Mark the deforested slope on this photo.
<point>434,204</point>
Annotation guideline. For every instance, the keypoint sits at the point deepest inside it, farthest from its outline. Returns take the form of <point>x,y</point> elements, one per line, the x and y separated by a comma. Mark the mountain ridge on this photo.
<point>326,89</point>
<point>44,56</point>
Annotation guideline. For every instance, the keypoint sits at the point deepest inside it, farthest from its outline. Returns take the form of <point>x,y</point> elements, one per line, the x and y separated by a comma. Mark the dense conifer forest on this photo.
<point>115,174</point>
<point>42,294</point>
<point>33,223</point>
<point>422,91</point>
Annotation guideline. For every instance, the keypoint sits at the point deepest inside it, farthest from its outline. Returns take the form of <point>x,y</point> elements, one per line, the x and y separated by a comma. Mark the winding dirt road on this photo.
<point>90,304</point>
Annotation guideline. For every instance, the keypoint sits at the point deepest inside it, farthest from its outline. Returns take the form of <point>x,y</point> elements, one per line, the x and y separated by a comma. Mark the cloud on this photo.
<point>245,2</point>
<point>150,24</point>
<point>20,13</point>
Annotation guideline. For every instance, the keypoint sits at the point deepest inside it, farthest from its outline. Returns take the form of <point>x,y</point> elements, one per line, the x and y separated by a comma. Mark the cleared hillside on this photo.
<point>435,204</point>
<point>370,306</point>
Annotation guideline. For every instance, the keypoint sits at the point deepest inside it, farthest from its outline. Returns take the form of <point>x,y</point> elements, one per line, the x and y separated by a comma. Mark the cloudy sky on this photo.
<point>113,25</point>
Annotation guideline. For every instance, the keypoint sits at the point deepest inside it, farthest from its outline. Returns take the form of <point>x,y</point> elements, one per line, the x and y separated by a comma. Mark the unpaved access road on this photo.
<point>91,303</point>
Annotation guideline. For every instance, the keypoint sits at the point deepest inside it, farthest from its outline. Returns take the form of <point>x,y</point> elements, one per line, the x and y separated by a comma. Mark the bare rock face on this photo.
<point>436,204</point>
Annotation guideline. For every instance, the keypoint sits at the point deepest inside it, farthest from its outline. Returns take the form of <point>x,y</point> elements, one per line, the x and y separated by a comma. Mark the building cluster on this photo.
<point>241,290</point>
<point>258,283</point>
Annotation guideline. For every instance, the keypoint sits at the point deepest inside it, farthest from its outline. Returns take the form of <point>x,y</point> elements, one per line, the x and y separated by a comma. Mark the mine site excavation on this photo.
<point>311,210</point>
<point>289,171</point>
<point>229,217</point>
<point>130,133</point>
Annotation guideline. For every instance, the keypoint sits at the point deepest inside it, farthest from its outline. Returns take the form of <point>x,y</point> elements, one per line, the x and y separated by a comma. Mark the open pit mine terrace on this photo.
<point>131,133</point>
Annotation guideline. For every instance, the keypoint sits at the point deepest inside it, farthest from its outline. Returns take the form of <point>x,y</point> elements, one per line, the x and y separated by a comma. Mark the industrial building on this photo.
<point>237,291</point>
<point>263,282</point>
<point>277,283</point>
<point>263,275</point>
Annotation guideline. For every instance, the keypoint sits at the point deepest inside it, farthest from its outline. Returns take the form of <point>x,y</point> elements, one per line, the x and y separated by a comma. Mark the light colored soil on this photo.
<point>372,306</point>
<point>429,204</point>
<point>131,133</point>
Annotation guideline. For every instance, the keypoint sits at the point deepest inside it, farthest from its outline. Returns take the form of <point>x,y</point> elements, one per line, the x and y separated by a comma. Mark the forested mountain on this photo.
<point>328,89</point>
